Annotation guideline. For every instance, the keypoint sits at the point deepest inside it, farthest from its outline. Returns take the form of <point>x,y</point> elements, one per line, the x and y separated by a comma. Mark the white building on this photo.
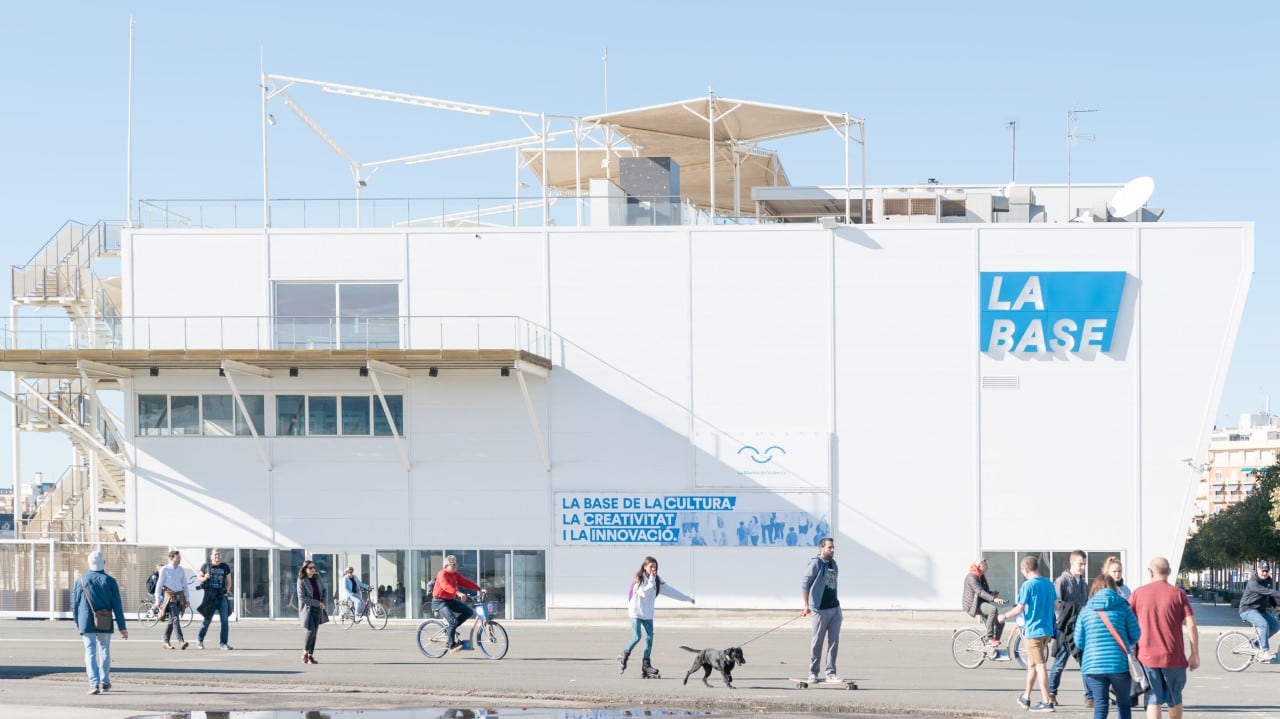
<point>566,400</point>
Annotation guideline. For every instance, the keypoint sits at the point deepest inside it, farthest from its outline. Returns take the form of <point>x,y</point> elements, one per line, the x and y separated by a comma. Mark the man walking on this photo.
<point>97,591</point>
<point>1035,601</point>
<point>1072,591</point>
<point>818,594</point>
<point>171,597</point>
<point>1162,609</point>
<point>215,575</point>
<point>1256,603</point>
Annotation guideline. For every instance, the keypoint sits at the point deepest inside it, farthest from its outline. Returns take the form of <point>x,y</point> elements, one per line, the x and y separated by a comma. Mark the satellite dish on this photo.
<point>1083,217</point>
<point>1130,198</point>
<point>1007,191</point>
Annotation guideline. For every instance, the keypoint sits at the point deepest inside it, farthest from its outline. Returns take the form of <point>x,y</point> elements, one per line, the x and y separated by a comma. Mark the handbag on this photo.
<point>103,621</point>
<point>1136,671</point>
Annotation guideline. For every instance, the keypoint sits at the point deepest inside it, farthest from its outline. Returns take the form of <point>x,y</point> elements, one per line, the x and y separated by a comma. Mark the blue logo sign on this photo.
<point>759,457</point>
<point>1049,311</point>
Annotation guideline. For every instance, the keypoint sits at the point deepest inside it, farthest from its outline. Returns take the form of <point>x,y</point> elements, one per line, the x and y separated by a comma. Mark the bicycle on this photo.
<point>373,612</point>
<point>149,614</point>
<point>969,647</point>
<point>486,634</point>
<point>1238,649</point>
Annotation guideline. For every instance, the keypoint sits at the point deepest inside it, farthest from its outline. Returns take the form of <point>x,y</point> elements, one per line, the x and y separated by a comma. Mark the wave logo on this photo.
<point>760,457</point>
<point>1049,312</point>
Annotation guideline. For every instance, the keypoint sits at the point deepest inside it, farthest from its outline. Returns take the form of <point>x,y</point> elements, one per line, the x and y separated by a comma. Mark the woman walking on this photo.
<point>645,588</point>
<point>311,611</point>
<point>1106,632</point>
<point>1114,569</point>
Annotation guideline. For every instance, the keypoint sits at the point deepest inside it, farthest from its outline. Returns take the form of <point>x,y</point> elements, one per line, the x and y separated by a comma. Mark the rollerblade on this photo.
<point>622,661</point>
<point>648,671</point>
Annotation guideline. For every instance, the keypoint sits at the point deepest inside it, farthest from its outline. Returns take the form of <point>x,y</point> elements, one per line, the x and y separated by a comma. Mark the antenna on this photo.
<point>1073,138</point>
<point>1130,198</point>
<point>1013,151</point>
<point>128,139</point>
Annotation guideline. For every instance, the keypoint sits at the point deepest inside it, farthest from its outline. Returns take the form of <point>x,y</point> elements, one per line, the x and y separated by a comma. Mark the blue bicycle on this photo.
<point>487,635</point>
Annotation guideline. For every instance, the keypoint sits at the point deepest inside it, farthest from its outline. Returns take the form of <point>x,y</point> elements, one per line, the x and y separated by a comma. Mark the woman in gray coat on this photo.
<point>311,612</point>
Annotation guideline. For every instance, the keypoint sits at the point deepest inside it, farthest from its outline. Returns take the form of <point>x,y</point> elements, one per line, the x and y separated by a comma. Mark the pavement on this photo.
<point>900,660</point>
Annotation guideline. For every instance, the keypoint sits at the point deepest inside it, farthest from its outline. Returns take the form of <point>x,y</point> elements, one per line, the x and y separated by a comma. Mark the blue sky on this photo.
<point>1186,93</point>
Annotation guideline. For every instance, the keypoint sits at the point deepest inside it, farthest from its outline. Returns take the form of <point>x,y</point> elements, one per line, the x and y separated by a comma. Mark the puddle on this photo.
<point>434,713</point>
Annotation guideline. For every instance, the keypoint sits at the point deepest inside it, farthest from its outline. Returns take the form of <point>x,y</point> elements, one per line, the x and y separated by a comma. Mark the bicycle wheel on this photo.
<point>1018,649</point>
<point>967,649</point>
<point>492,640</point>
<point>188,615</point>
<point>1235,651</point>
<point>346,615</point>
<point>433,640</point>
<point>147,614</point>
<point>376,617</point>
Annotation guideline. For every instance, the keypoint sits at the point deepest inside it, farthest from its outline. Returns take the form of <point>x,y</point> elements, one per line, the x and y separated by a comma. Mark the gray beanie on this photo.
<point>96,562</point>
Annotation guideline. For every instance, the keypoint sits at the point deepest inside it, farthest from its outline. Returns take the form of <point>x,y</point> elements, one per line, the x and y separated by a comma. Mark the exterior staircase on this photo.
<point>87,503</point>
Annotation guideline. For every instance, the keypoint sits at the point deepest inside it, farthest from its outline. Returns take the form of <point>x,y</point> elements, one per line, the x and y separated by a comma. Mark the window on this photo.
<point>153,415</point>
<point>333,315</point>
<point>355,415</point>
<point>327,415</point>
<point>210,415</point>
<point>289,416</point>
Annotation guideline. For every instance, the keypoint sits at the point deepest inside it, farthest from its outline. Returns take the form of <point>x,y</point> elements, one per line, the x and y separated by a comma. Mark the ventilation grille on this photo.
<point>1001,382</point>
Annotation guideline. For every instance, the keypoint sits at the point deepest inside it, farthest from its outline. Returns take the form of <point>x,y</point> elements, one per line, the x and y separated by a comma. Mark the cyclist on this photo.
<point>1256,603</point>
<point>980,599</point>
<point>444,598</point>
<point>351,587</point>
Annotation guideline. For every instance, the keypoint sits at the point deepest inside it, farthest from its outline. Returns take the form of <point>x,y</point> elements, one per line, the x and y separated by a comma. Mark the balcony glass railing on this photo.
<point>502,332</point>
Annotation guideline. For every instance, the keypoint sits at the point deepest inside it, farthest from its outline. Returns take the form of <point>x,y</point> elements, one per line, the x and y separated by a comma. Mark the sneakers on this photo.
<point>1002,657</point>
<point>199,645</point>
<point>834,678</point>
<point>105,686</point>
<point>1042,707</point>
<point>223,647</point>
<point>1053,699</point>
<point>167,645</point>
<point>992,642</point>
<point>1024,702</point>
<point>95,689</point>
<point>813,679</point>
<point>1088,702</point>
<point>183,645</point>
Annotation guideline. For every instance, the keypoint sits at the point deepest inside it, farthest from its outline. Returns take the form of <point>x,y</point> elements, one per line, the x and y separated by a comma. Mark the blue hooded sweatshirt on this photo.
<point>1101,653</point>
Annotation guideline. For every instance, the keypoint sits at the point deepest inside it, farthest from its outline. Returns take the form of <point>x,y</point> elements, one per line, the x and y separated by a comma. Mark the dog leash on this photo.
<point>752,639</point>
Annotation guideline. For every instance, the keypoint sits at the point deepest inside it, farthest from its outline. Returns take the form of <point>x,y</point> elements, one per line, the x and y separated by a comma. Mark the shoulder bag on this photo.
<point>1136,671</point>
<point>102,619</point>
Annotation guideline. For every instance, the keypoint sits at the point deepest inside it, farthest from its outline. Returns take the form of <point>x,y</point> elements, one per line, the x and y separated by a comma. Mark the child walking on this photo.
<point>645,588</point>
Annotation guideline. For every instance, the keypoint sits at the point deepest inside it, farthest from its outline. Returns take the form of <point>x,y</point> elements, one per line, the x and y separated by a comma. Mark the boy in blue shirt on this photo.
<point>1035,601</point>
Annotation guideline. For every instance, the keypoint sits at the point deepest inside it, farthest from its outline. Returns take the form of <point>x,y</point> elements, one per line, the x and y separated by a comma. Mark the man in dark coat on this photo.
<point>97,591</point>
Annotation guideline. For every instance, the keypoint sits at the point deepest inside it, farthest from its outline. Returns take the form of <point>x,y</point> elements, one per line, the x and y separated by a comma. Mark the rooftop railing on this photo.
<point>474,332</point>
<point>413,212</point>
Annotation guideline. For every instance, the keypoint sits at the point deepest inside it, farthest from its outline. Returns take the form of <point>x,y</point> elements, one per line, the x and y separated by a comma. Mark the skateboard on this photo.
<point>843,684</point>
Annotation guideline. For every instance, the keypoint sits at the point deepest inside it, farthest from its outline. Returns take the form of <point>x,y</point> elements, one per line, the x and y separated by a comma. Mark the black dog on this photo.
<point>723,659</point>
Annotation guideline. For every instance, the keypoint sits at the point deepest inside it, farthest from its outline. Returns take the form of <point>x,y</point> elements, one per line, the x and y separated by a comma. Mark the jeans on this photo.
<point>97,657</point>
<point>455,612</point>
<point>1266,624</point>
<point>826,625</point>
<point>223,609</point>
<point>636,626</point>
<point>1058,667</point>
<point>174,616</point>
<point>1096,685</point>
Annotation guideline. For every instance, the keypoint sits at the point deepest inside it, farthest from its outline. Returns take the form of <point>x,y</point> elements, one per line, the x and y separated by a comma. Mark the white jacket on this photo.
<point>640,606</point>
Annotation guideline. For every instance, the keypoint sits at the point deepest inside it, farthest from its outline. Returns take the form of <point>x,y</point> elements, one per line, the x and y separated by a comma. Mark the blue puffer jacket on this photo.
<point>1101,653</point>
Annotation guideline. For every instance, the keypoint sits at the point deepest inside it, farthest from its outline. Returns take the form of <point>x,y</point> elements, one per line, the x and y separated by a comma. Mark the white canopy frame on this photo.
<point>733,131</point>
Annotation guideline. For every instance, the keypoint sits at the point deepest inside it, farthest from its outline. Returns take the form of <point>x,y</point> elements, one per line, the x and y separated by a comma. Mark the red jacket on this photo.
<point>447,584</point>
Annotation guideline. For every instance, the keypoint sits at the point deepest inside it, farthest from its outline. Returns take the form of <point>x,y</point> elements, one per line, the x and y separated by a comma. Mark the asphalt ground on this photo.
<point>901,661</point>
